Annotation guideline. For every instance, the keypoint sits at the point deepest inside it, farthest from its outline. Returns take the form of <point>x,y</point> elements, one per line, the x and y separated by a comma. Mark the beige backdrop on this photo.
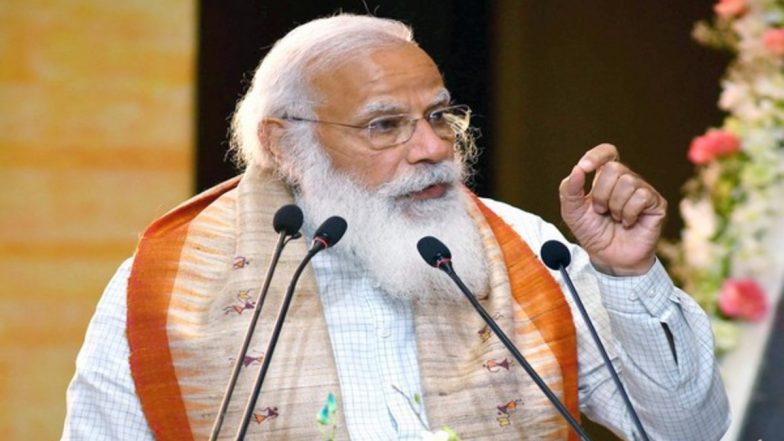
<point>96,104</point>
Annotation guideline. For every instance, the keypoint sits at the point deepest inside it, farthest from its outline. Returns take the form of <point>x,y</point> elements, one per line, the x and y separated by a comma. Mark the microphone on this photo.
<point>327,235</point>
<point>557,257</point>
<point>288,219</point>
<point>436,254</point>
<point>286,222</point>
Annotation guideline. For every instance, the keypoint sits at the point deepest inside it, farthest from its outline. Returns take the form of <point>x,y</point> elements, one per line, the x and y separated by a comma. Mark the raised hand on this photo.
<point>619,221</point>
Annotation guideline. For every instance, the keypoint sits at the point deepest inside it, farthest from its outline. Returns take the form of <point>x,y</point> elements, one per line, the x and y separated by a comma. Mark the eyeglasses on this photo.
<point>387,131</point>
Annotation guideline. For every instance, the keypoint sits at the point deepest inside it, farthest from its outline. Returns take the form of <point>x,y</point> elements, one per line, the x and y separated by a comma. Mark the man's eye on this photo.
<point>388,124</point>
<point>438,116</point>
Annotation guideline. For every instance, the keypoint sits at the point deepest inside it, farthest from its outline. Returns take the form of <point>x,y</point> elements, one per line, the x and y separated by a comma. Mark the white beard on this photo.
<point>384,227</point>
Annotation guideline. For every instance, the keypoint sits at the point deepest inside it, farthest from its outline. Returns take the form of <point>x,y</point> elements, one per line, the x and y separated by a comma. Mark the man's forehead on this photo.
<point>390,105</point>
<point>381,81</point>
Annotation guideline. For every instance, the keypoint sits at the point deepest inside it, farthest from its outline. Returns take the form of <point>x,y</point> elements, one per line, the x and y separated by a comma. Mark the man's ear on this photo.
<point>270,131</point>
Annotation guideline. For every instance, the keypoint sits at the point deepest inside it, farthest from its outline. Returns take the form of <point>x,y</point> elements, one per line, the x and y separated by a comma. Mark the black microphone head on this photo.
<point>433,250</point>
<point>555,254</point>
<point>287,219</point>
<point>331,231</point>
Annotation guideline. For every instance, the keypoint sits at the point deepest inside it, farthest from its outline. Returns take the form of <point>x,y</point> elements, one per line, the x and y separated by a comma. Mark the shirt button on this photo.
<point>633,296</point>
<point>383,331</point>
<point>651,293</point>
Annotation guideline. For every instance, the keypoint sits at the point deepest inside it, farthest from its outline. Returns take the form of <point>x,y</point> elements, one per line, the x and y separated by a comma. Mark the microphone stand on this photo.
<point>284,307</point>
<point>446,266</point>
<point>282,241</point>
<point>328,234</point>
<point>560,265</point>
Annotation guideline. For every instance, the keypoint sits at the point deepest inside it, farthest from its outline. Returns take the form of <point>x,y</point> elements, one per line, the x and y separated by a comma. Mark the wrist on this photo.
<point>625,270</point>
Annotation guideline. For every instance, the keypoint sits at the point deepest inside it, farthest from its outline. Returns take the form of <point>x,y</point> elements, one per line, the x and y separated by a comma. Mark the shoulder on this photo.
<point>187,211</point>
<point>509,212</point>
<point>535,231</point>
<point>532,228</point>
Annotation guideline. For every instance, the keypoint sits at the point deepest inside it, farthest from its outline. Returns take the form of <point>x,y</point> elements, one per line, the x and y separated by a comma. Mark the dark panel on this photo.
<point>235,35</point>
<point>618,71</point>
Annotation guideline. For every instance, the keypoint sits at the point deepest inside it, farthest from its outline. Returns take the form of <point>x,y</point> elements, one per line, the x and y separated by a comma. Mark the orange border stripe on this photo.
<point>535,290</point>
<point>149,293</point>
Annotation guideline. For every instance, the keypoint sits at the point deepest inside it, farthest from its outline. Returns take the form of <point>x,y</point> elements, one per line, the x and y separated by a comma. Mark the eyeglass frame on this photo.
<point>410,122</point>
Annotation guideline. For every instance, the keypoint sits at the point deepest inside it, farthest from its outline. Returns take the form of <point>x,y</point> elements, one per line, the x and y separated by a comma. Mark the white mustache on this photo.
<point>423,176</point>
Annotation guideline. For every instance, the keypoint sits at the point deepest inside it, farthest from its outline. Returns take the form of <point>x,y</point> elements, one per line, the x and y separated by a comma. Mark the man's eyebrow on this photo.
<point>380,107</point>
<point>442,98</point>
<point>390,107</point>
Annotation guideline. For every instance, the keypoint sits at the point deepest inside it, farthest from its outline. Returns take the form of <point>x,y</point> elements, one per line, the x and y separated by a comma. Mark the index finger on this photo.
<point>593,159</point>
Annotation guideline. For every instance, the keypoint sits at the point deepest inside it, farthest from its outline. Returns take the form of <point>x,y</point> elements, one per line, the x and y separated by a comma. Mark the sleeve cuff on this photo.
<point>652,292</point>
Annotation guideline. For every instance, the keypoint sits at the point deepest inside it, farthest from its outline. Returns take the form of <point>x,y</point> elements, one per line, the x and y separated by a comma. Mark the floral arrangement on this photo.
<point>737,195</point>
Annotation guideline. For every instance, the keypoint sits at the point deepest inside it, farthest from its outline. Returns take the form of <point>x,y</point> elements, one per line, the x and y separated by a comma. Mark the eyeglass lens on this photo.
<point>393,130</point>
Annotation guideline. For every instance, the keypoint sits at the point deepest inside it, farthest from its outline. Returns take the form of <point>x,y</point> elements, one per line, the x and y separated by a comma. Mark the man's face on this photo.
<point>390,197</point>
<point>391,81</point>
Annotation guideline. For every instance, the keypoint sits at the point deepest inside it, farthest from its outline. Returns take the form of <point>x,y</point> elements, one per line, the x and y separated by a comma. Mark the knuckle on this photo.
<point>627,179</point>
<point>644,194</point>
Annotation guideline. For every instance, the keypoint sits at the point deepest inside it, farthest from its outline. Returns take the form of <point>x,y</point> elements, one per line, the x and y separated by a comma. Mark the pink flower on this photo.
<point>729,8</point>
<point>714,144</point>
<point>743,298</point>
<point>773,39</point>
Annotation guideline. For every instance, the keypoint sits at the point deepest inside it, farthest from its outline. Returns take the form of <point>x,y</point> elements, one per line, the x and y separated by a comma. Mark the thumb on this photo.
<point>571,191</point>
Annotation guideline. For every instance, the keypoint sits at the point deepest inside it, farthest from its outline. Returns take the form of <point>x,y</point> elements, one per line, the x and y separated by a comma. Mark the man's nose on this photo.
<point>426,146</point>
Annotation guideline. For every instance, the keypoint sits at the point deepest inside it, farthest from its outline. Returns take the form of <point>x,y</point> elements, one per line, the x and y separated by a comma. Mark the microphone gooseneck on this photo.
<point>327,235</point>
<point>436,254</point>
<point>287,222</point>
<point>557,257</point>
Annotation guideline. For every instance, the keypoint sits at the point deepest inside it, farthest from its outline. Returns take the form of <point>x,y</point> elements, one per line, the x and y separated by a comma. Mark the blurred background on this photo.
<point>113,112</point>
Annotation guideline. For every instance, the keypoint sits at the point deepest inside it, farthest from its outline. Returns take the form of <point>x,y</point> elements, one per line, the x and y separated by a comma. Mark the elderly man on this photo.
<point>348,116</point>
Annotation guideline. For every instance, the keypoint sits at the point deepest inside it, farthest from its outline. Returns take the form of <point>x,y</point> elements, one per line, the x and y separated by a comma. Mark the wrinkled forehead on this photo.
<point>401,78</point>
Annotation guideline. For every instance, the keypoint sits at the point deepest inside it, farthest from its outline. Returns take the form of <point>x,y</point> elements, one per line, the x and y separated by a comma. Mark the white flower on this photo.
<point>697,251</point>
<point>734,96</point>
<point>699,216</point>
<point>771,86</point>
<point>761,139</point>
<point>701,224</point>
<point>750,29</point>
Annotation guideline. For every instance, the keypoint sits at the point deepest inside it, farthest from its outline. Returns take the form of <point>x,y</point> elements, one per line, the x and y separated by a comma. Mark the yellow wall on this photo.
<point>96,107</point>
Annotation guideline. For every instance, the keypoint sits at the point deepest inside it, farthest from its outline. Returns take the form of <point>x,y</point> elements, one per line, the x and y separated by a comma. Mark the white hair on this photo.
<point>280,85</point>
